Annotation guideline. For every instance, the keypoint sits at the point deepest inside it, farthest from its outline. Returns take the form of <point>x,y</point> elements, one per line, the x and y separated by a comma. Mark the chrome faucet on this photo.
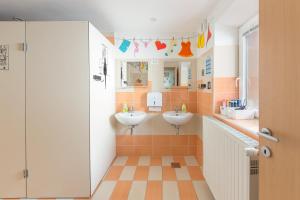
<point>176,109</point>
<point>131,109</point>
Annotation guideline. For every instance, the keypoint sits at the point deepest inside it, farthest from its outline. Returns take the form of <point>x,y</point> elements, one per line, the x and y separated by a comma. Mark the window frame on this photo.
<point>246,29</point>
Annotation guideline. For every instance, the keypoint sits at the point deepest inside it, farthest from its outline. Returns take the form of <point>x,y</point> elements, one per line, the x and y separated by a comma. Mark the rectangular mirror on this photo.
<point>177,74</point>
<point>134,74</point>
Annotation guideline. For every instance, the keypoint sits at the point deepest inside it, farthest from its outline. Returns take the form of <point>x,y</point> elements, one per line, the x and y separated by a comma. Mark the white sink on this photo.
<point>177,118</point>
<point>131,118</point>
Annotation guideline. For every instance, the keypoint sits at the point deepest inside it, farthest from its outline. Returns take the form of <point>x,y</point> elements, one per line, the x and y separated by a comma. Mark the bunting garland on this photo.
<point>168,46</point>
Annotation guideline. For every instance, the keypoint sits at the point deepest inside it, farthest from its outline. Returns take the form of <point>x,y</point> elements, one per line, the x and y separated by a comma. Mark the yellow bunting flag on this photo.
<point>201,41</point>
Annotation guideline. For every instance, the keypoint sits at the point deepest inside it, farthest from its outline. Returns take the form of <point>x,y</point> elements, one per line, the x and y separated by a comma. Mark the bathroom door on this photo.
<point>57,109</point>
<point>280,98</point>
<point>12,110</point>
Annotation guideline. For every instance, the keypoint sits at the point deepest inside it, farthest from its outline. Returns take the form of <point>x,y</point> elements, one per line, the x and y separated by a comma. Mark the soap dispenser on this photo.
<point>125,107</point>
<point>183,108</point>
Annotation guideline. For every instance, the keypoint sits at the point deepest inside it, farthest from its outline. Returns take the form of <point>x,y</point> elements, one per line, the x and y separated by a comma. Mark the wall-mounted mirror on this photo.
<point>134,74</point>
<point>177,74</point>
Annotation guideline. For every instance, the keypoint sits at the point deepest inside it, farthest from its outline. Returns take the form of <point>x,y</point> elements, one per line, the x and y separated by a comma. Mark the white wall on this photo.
<point>226,51</point>
<point>226,35</point>
<point>102,109</point>
<point>226,61</point>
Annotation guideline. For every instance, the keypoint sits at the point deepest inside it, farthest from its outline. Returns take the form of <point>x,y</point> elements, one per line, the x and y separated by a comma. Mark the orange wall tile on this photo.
<point>205,103</point>
<point>224,88</point>
<point>137,99</point>
<point>159,145</point>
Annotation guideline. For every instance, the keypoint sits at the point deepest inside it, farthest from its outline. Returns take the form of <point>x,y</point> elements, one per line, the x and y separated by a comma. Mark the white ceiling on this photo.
<point>116,15</point>
<point>239,12</point>
<point>133,16</point>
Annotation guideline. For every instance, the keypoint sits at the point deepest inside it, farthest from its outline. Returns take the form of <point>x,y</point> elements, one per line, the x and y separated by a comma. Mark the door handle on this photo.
<point>267,134</point>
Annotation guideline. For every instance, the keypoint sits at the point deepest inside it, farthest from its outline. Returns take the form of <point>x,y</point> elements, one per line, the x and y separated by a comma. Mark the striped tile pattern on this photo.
<point>153,178</point>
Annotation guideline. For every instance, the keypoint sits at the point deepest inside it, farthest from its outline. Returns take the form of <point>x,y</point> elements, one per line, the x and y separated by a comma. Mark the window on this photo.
<point>249,65</point>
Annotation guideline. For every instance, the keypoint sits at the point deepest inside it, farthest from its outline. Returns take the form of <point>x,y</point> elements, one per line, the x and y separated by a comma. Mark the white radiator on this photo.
<point>229,172</point>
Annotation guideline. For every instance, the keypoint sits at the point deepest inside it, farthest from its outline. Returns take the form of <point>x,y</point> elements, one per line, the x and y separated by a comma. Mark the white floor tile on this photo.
<point>202,190</point>
<point>182,173</point>
<point>30,199</point>
<point>190,161</point>
<point>155,173</point>
<point>127,173</point>
<point>105,190</point>
<point>144,161</point>
<point>138,190</point>
<point>121,160</point>
<point>170,190</point>
<point>167,160</point>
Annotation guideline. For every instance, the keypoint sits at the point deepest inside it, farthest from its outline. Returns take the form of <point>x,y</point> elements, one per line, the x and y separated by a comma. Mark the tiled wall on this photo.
<point>176,97</point>
<point>159,145</point>
<point>171,99</point>
<point>224,88</point>
<point>136,97</point>
<point>205,103</point>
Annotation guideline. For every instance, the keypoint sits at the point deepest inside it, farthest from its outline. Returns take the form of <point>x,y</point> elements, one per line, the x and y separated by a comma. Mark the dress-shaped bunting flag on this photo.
<point>185,49</point>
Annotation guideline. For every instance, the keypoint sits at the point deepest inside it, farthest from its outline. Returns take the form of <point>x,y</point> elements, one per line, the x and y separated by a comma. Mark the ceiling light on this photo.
<point>153,19</point>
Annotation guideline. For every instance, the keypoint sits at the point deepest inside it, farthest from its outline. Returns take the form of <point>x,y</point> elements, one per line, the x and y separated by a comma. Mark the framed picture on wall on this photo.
<point>208,66</point>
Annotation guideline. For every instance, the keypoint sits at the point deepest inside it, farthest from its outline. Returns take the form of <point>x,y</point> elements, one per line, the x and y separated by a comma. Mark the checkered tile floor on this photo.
<point>153,178</point>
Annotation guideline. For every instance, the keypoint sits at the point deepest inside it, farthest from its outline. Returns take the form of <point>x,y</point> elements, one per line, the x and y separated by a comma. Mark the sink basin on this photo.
<point>131,118</point>
<point>177,118</point>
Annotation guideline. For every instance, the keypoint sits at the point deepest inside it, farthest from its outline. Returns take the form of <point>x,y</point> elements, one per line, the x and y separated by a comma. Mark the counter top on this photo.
<point>247,127</point>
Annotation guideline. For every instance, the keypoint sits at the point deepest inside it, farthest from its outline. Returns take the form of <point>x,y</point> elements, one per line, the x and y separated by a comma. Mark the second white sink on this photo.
<point>177,118</point>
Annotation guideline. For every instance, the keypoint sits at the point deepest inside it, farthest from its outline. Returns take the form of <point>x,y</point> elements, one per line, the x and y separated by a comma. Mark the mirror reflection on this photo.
<point>177,74</point>
<point>134,74</point>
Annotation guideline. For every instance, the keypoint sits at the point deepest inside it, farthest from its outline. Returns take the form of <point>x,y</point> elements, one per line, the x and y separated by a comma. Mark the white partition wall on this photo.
<point>102,103</point>
<point>12,111</point>
<point>53,107</point>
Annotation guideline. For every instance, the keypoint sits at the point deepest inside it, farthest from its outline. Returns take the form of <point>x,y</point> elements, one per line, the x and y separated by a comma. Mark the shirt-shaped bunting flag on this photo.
<point>124,45</point>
